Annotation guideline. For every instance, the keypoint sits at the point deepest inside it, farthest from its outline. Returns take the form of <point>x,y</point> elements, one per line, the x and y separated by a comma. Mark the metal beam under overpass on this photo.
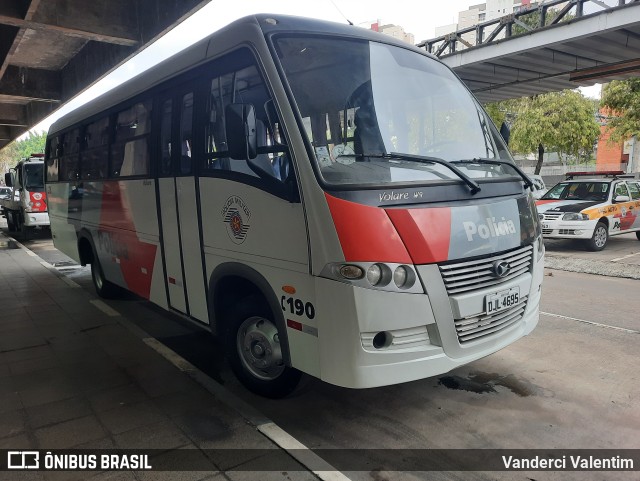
<point>51,50</point>
<point>592,49</point>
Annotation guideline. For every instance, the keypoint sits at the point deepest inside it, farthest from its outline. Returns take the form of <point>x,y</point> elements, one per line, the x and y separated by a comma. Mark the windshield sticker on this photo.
<point>488,228</point>
<point>236,215</point>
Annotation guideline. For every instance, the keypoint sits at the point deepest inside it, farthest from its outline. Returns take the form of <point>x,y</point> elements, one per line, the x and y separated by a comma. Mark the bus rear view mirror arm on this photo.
<point>240,121</point>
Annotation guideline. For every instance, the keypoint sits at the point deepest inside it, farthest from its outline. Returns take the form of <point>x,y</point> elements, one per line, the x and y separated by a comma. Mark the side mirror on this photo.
<point>622,198</point>
<point>240,120</point>
<point>7,179</point>
<point>505,131</point>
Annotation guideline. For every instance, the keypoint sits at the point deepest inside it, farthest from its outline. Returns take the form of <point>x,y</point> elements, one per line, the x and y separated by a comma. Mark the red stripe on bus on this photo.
<point>116,220</point>
<point>294,324</point>
<point>366,233</point>
<point>426,232</point>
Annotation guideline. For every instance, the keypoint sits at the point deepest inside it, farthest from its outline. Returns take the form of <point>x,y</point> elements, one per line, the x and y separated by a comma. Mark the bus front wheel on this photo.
<point>104,288</point>
<point>254,350</point>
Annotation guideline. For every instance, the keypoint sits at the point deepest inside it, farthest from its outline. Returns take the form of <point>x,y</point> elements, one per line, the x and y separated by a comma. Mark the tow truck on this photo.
<point>26,206</point>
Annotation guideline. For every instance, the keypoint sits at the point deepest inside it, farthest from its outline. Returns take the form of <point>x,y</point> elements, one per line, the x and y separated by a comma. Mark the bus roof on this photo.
<point>215,44</point>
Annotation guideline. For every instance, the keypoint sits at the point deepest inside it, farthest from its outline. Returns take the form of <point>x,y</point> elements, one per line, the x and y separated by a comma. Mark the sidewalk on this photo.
<point>74,376</point>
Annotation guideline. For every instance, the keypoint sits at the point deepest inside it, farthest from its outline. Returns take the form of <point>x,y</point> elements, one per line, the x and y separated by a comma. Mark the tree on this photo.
<point>622,99</point>
<point>562,122</point>
<point>33,144</point>
<point>8,158</point>
<point>532,20</point>
<point>16,150</point>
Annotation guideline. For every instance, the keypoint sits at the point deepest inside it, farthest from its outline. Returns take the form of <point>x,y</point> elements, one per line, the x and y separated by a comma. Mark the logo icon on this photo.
<point>501,268</point>
<point>236,215</point>
<point>23,460</point>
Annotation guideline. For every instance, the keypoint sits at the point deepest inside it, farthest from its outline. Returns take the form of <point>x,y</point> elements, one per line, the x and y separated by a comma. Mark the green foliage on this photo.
<point>622,98</point>
<point>562,122</point>
<point>12,153</point>
<point>532,20</point>
<point>33,144</point>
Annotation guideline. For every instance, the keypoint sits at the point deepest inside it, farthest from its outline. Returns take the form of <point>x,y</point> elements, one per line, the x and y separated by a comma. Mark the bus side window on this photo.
<point>130,149</point>
<point>94,154</point>
<point>165,138</point>
<point>186,123</point>
<point>52,159</point>
<point>69,165</point>
<point>245,85</point>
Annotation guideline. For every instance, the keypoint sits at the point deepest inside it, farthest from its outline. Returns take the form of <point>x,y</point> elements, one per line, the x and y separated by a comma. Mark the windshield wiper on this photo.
<point>520,172</point>
<point>423,159</point>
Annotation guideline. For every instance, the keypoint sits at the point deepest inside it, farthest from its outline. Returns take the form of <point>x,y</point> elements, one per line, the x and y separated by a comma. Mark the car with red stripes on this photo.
<point>591,206</point>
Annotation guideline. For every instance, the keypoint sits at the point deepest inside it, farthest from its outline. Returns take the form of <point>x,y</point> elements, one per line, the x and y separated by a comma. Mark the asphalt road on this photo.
<point>572,383</point>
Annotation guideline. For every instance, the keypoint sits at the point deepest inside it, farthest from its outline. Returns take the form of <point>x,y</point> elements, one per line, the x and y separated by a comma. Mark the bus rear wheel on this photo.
<point>254,350</point>
<point>638,235</point>
<point>104,288</point>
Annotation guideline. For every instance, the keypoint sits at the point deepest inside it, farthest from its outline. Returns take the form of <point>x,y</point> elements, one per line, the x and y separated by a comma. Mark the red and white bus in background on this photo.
<point>326,199</point>
<point>26,206</point>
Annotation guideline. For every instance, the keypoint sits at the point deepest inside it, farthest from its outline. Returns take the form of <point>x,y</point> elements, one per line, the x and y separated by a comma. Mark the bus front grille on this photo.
<point>468,276</point>
<point>476,327</point>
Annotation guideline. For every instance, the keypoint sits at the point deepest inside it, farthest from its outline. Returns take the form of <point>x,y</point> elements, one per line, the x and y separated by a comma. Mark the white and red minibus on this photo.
<point>327,199</point>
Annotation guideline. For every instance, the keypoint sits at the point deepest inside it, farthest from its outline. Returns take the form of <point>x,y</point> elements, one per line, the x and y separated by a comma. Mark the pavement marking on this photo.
<point>301,453</point>
<point>630,331</point>
<point>171,356</point>
<point>266,427</point>
<point>70,283</point>
<point>108,310</point>
<point>624,257</point>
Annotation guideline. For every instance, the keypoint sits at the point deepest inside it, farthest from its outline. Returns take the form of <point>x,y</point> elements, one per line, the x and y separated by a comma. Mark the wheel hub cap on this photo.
<point>259,348</point>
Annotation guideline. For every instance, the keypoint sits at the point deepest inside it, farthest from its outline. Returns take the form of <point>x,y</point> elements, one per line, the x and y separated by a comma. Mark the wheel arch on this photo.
<point>86,247</point>
<point>231,282</point>
<point>605,221</point>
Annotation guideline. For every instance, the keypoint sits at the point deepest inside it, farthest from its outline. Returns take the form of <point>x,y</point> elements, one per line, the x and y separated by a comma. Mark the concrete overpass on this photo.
<point>575,48</point>
<point>51,50</point>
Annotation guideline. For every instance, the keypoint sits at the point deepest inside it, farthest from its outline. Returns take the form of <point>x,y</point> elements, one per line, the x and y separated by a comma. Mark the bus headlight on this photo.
<point>349,271</point>
<point>375,275</point>
<point>400,276</point>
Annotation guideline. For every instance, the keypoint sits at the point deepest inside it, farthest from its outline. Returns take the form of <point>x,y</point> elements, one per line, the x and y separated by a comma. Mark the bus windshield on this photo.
<point>361,102</point>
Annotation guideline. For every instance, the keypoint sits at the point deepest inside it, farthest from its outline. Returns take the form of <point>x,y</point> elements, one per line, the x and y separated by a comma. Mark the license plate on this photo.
<point>502,300</point>
<point>546,226</point>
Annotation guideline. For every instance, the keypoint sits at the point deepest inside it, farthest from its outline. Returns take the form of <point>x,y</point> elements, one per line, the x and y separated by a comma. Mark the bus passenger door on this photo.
<point>182,250</point>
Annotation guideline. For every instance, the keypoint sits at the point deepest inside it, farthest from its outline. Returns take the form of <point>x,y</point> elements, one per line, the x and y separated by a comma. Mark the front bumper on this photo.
<point>36,219</point>
<point>562,229</point>
<point>424,324</point>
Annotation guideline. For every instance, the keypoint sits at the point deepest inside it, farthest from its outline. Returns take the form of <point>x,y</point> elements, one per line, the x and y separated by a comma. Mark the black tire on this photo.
<point>251,339</point>
<point>638,234</point>
<point>599,238</point>
<point>10,224</point>
<point>25,231</point>
<point>104,288</point>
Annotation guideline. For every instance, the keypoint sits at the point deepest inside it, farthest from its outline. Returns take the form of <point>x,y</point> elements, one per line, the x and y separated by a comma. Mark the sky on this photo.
<point>418,18</point>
